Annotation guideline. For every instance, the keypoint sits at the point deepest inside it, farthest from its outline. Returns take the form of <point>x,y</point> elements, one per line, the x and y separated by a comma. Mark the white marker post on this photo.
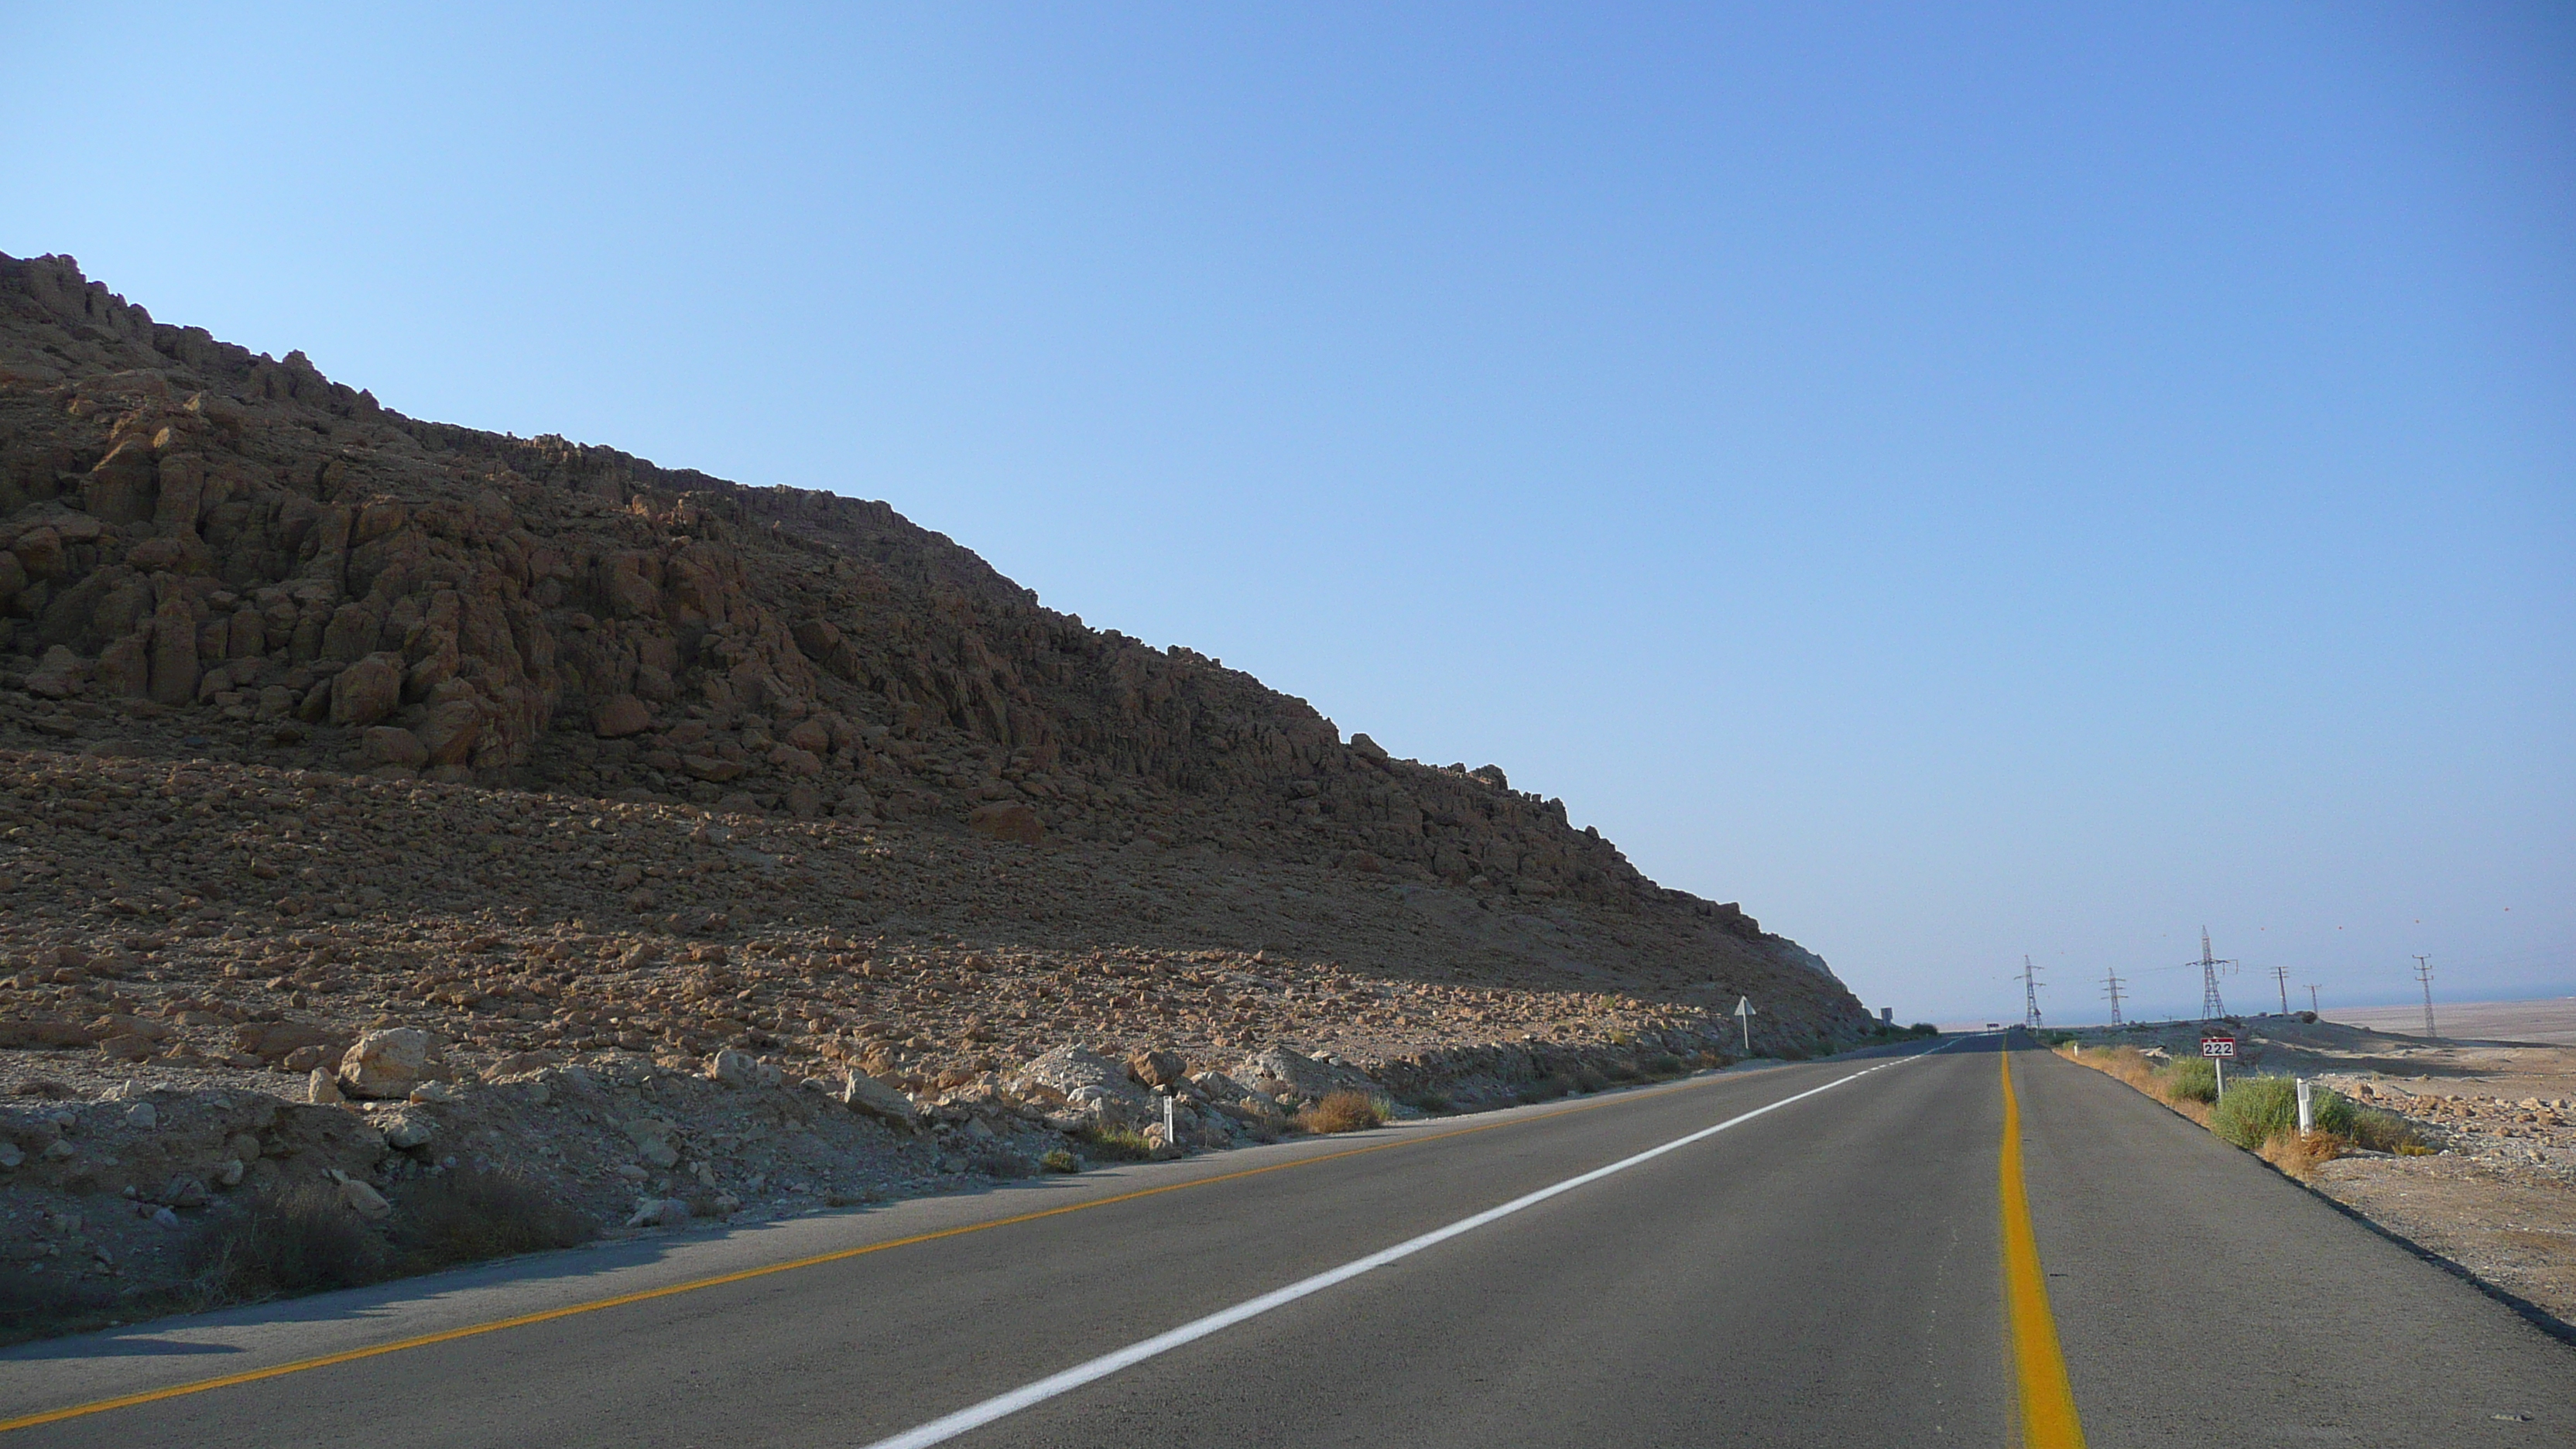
<point>1744,1015</point>
<point>2307,1112</point>
<point>1171,1136</point>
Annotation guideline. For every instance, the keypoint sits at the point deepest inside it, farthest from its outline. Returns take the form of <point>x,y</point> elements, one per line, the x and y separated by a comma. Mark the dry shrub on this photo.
<point>1343,1112</point>
<point>2124,1062</point>
<point>2189,1079</point>
<point>1001,1163</point>
<point>34,1305</point>
<point>2375,1130</point>
<point>293,1239</point>
<point>2300,1154</point>
<point>470,1214</point>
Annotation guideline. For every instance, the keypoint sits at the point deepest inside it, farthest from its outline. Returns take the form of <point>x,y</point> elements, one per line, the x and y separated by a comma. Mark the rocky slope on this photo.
<point>315,718</point>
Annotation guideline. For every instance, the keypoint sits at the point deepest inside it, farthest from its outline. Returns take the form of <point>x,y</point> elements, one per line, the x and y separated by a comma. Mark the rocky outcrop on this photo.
<point>241,559</point>
<point>236,536</point>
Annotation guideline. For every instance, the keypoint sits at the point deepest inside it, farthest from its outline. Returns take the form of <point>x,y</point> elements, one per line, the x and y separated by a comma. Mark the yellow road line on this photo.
<point>2048,1418</point>
<point>251,1376</point>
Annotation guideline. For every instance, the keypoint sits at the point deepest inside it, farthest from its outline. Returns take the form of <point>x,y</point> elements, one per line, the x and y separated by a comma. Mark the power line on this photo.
<point>2029,994</point>
<point>2424,974</point>
<point>2211,1008</point>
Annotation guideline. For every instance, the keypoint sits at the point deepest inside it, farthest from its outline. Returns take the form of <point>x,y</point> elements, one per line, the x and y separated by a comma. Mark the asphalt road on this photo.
<point>1828,1272</point>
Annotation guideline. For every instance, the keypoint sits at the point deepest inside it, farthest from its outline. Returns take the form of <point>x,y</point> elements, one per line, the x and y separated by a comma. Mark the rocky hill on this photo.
<point>315,718</point>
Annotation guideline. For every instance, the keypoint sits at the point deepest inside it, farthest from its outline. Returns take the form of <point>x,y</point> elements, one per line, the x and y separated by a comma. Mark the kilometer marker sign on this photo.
<point>2219,1047</point>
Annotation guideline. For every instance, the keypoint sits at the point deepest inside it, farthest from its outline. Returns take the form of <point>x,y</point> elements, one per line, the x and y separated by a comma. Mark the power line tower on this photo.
<point>2281,976</point>
<point>2211,1008</point>
<point>2111,989</point>
<point>2312,998</point>
<point>2424,974</point>
<point>2029,994</point>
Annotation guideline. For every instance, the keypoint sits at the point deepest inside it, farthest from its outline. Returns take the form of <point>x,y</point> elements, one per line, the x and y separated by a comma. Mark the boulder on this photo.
<point>277,1041</point>
<point>518,1064</point>
<point>659,1212</point>
<point>879,1099</point>
<point>407,1130</point>
<point>367,691</point>
<point>57,675</point>
<point>388,745</point>
<point>1070,1069</point>
<point>1007,820</point>
<point>364,1200</point>
<point>386,1064</point>
<point>621,715</point>
<point>734,1068</point>
<point>1297,1077</point>
<point>1158,1068</point>
<point>45,1031</point>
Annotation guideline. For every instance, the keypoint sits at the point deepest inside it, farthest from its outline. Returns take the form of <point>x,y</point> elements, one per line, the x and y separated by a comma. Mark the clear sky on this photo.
<point>1962,480</point>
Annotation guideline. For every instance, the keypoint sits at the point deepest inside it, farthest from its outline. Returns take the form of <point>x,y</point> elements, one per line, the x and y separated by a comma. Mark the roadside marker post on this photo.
<point>2218,1047</point>
<point>2307,1113</point>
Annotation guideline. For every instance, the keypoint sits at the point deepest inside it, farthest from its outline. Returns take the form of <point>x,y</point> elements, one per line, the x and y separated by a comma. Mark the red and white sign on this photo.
<point>2218,1046</point>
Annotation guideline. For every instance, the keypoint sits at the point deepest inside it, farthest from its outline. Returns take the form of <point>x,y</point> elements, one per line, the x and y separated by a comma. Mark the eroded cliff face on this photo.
<point>279,568</point>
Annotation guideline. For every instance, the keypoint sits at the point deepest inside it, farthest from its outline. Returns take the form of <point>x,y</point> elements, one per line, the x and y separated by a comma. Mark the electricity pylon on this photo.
<point>2211,1008</point>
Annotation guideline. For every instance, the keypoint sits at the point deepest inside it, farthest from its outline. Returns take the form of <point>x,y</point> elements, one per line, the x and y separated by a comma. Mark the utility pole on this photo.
<point>2112,989</point>
<point>2312,999</point>
<point>2281,976</point>
<point>2424,974</point>
<point>2211,1008</point>
<point>2029,994</point>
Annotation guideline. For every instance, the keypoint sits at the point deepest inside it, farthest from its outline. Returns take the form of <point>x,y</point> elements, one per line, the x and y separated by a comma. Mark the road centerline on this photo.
<point>2046,1397</point>
<point>1029,1395</point>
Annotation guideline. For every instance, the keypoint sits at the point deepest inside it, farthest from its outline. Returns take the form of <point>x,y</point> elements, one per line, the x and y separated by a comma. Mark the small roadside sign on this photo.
<point>2220,1048</point>
<point>1744,1013</point>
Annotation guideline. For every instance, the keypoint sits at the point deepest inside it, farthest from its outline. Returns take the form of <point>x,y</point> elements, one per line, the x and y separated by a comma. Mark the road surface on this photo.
<point>1816,1254</point>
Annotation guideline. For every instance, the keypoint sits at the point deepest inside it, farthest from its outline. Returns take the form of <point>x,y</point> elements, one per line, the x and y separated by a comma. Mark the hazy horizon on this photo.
<point>1963,485</point>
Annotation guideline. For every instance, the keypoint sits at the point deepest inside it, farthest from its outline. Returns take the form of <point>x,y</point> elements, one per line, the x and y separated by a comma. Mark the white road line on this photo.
<point>976,1416</point>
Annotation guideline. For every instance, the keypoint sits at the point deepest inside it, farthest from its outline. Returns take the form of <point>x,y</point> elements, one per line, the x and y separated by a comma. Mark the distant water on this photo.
<point>2550,1019</point>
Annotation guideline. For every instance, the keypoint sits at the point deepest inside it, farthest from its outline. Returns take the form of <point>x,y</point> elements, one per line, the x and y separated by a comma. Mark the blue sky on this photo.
<point>1963,480</point>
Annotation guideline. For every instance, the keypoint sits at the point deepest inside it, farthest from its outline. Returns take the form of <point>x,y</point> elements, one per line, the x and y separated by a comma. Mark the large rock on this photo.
<point>621,715</point>
<point>386,1065</point>
<point>1083,1077</point>
<point>1007,820</point>
<point>367,691</point>
<point>1298,1077</point>
<point>388,745</point>
<point>274,1041</point>
<point>1158,1068</point>
<point>880,1100</point>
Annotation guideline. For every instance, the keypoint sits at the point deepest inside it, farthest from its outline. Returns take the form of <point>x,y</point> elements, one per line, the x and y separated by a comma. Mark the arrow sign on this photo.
<point>1744,1013</point>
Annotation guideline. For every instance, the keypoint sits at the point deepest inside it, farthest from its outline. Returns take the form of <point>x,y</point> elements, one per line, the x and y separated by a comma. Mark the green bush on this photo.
<point>1116,1144</point>
<point>2189,1079</point>
<point>1059,1160</point>
<point>2257,1109</point>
